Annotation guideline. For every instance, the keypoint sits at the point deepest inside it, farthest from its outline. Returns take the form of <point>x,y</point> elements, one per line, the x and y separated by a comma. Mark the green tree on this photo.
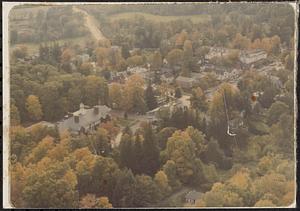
<point>123,193</point>
<point>156,61</point>
<point>95,89</point>
<point>100,143</point>
<point>178,92</point>
<point>276,109</point>
<point>145,192</point>
<point>198,100</point>
<point>151,151</point>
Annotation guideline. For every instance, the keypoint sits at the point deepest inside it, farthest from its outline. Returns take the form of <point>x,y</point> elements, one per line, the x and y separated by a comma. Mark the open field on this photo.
<point>159,18</point>
<point>33,48</point>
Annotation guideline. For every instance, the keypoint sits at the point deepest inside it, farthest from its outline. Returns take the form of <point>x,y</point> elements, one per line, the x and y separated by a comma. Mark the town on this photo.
<point>123,108</point>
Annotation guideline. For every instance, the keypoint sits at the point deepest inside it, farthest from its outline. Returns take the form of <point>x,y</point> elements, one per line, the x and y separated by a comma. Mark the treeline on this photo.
<point>254,21</point>
<point>58,22</point>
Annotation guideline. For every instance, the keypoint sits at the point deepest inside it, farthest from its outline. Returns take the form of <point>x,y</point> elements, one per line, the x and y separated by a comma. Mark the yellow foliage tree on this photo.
<point>34,107</point>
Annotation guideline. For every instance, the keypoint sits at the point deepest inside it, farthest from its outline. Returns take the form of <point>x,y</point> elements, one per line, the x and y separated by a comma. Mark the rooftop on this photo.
<point>185,79</point>
<point>86,118</point>
<point>194,195</point>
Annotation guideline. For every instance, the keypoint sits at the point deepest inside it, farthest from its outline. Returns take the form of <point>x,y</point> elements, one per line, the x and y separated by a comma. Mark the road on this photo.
<point>137,118</point>
<point>91,24</point>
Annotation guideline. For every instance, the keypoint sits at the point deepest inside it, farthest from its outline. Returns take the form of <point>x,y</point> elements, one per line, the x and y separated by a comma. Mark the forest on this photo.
<point>187,148</point>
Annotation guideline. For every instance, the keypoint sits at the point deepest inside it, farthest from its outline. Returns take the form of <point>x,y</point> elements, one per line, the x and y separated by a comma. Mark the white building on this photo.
<point>250,57</point>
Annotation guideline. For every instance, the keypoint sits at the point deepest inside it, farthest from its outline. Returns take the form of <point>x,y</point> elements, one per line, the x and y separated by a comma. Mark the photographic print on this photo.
<point>149,105</point>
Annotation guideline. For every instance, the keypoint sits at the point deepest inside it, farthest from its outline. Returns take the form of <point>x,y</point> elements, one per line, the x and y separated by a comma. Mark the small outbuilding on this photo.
<point>192,196</point>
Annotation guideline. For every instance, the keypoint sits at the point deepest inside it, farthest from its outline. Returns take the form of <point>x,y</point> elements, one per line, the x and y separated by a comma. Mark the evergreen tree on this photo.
<point>151,151</point>
<point>178,92</point>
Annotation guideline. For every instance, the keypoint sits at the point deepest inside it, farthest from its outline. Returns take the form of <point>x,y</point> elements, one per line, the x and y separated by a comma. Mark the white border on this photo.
<point>7,6</point>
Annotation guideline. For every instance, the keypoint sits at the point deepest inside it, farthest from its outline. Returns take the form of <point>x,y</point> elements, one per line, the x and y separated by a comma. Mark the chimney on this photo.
<point>76,118</point>
<point>96,110</point>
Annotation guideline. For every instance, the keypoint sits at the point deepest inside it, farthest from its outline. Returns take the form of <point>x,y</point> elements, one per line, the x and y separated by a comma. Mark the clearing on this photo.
<point>160,18</point>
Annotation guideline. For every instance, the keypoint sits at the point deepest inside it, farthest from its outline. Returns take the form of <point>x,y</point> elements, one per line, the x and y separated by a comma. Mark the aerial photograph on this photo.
<point>148,105</point>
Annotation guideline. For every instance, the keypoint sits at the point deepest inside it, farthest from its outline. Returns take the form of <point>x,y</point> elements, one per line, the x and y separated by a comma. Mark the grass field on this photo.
<point>33,48</point>
<point>159,18</point>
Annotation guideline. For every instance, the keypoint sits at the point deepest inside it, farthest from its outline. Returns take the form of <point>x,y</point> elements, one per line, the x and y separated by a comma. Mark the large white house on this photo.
<point>84,120</point>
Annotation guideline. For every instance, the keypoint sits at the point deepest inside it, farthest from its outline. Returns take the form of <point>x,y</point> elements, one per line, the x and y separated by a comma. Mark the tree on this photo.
<point>267,98</point>
<point>163,135</point>
<point>241,41</point>
<point>90,201</point>
<point>214,154</point>
<point>150,98</point>
<point>198,100</point>
<point>116,95</point>
<point>135,61</point>
<point>94,89</point>
<point>150,151</point>
<point>103,56</point>
<point>20,52</point>
<point>86,68</point>
<point>126,151</point>
<point>156,61</point>
<point>134,94</point>
<point>123,193</point>
<point>187,58</point>
<point>49,189</point>
<point>100,143</point>
<point>66,55</point>
<point>181,38</point>
<point>276,110</point>
<point>18,178</point>
<point>169,169</point>
<point>220,196</point>
<point>178,92</point>
<point>162,182</point>
<point>33,107</point>
<point>174,57</point>
<point>14,115</point>
<point>40,150</point>
<point>181,149</point>
<point>145,192</point>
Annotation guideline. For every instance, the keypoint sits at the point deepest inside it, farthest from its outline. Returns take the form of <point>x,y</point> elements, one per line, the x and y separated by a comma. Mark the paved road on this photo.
<point>91,24</point>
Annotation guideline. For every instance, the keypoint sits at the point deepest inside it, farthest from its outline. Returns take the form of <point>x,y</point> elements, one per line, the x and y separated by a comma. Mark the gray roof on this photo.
<point>86,118</point>
<point>185,79</point>
<point>194,195</point>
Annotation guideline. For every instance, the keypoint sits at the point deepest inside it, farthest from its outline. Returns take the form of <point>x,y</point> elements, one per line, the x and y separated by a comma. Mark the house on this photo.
<point>207,67</point>
<point>197,76</point>
<point>85,119</point>
<point>185,82</point>
<point>192,196</point>
<point>250,57</point>
<point>217,52</point>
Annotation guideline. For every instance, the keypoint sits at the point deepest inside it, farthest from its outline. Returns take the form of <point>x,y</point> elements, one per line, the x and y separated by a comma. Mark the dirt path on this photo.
<point>91,24</point>
<point>176,195</point>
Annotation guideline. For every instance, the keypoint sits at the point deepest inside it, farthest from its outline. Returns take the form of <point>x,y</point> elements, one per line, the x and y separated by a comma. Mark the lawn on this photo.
<point>159,18</point>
